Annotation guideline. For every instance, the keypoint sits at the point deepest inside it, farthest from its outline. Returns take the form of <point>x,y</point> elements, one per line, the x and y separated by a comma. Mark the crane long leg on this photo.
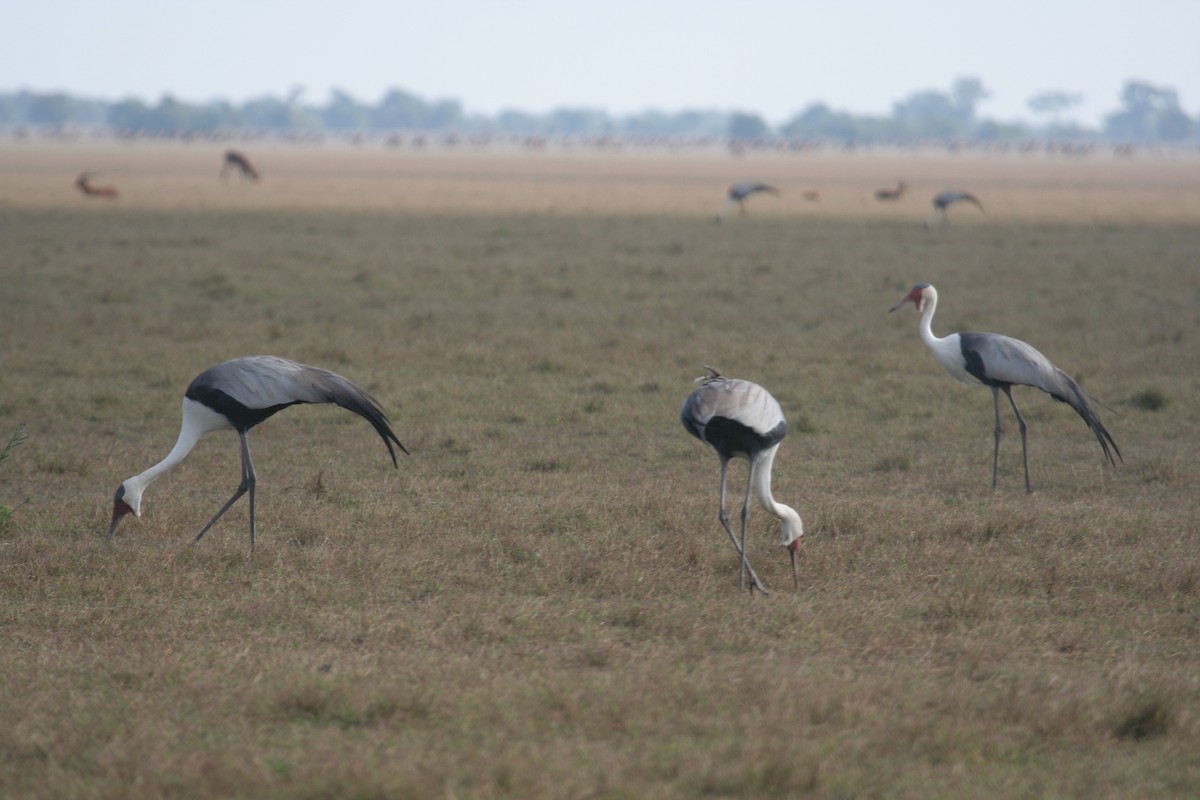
<point>998,431</point>
<point>1021,423</point>
<point>745,522</point>
<point>247,485</point>
<point>754,581</point>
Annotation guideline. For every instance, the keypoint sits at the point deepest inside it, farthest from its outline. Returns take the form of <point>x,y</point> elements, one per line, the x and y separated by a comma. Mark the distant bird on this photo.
<point>738,193</point>
<point>892,194</point>
<point>238,161</point>
<point>740,419</point>
<point>84,184</point>
<point>239,394</point>
<point>1000,362</point>
<point>946,199</point>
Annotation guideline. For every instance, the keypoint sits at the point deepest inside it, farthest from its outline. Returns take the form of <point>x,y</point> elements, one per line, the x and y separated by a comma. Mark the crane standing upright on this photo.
<point>1001,362</point>
<point>240,394</point>
<point>740,419</point>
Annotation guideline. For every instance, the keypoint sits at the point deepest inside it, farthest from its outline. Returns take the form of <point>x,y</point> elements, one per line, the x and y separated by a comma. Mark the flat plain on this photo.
<point>540,601</point>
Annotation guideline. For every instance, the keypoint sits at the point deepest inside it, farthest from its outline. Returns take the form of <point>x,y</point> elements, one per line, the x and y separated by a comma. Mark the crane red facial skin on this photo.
<point>916,297</point>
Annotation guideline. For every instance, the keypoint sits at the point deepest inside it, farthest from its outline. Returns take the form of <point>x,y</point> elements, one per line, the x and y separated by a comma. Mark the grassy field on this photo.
<point>540,601</point>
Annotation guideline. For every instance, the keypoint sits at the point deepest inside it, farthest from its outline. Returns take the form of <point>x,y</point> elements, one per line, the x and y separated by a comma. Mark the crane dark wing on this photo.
<point>248,390</point>
<point>947,198</point>
<point>741,190</point>
<point>999,360</point>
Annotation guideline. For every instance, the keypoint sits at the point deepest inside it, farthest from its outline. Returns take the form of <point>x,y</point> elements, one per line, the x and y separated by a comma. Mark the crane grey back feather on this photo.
<point>263,385</point>
<point>720,400</point>
<point>1014,362</point>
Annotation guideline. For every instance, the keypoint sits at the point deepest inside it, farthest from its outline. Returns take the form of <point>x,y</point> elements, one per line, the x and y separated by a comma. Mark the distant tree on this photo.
<point>748,127</point>
<point>967,92</point>
<point>343,113</point>
<point>821,121</point>
<point>444,115</point>
<point>580,122</point>
<point>51,109</point>
<point>1053,103</point>
<point>1149,113</point>
<point>510,121</point>
<point>271,113</point>
<point>1173,125</point>
<point>129,115</point>
<point>399,110</point>
<point>929,113</point>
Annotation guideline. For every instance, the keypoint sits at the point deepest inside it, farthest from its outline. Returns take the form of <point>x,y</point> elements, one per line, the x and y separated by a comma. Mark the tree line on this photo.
<point>1147,113</point>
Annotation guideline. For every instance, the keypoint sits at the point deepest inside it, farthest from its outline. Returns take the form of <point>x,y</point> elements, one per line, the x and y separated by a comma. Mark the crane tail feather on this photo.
<point>1078,400</point>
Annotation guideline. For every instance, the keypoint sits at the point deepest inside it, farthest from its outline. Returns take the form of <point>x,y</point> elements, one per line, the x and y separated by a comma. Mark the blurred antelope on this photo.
<point>892,194</point>
<point>238,161</point>
<point>84,184</point>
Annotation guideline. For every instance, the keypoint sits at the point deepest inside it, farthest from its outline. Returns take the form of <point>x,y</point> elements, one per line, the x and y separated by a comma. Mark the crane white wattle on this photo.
<point>1001,362</point>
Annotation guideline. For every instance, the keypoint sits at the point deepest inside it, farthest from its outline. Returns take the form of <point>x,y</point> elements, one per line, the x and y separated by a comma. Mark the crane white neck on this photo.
<point>791,527</point>
<point>946,349</point>
<point>198,419</point>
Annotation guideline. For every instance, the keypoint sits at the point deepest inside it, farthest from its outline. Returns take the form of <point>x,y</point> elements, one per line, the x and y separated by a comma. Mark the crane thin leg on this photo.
<point>1021,424</point>
<point>999,430</point>
<point>247,485</point>
<point>745,522</point>
<point>754,581</point>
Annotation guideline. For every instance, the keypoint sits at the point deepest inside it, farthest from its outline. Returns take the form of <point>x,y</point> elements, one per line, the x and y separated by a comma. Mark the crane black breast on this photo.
<point>731,437</point>
<point>239,415</point>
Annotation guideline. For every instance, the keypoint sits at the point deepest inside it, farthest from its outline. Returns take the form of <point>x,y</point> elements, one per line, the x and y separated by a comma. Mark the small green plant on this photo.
<point>15,439</point>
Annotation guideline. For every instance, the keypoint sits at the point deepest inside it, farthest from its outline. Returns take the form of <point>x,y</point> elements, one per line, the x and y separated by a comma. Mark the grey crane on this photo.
<point>944,200</point>
<point>740,419</point>
<point>240,394</point>
<point>1000,363</point>
<point>737,194</point>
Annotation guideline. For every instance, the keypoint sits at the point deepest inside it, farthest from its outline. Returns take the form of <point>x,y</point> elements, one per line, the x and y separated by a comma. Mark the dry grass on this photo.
<point>539,602</point>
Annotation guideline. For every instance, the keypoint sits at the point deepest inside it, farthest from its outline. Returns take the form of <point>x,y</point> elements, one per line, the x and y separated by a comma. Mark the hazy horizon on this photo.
<point>762,56</point>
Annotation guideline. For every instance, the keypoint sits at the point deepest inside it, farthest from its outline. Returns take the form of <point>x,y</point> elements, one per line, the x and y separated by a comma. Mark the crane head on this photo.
<point>918,297</point>
<point>792,529</point>
<point>124,502</point>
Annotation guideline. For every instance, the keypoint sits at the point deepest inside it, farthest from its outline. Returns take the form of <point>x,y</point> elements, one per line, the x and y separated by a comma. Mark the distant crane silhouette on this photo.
<point>237,160</point>
<point>737,194</point>
<point>1001,362</point>
<point>892,194</point>
<point>740,419</point>
<point>240,394</point>
<point>84,184</point>
<point>944,200</point>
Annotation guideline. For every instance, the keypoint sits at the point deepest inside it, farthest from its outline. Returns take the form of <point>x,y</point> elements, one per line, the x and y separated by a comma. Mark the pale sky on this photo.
<point>771,57</point>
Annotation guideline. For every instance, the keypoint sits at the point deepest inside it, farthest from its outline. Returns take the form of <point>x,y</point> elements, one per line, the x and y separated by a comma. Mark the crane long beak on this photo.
<point>902,302</point>
<point>794,551</point>
<point>120,509</point>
